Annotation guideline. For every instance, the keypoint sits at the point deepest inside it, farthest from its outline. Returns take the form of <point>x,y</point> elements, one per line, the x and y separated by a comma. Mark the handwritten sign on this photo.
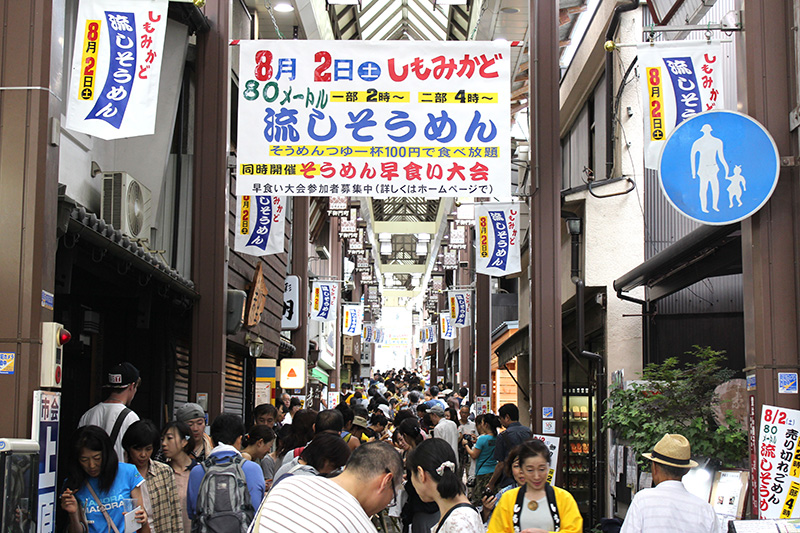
<point>778,478</point>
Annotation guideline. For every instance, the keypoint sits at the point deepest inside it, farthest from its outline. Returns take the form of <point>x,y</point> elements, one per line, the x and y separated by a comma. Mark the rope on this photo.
<point>272,16</point>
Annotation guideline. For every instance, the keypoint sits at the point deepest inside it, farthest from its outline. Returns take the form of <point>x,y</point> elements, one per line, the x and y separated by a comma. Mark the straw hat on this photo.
<point>672,450</point>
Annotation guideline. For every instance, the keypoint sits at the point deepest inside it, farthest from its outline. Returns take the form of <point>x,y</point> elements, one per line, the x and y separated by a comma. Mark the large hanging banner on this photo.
<point>681,79</point>
<point>116,67</point>
<point>260,224</point>
<point>324,300</point>
<point>446,330</point>
<point>498,239</point>
<point>778,463</point>
<point>460,307</point>
<point>373,118</point>
<point>352,319</point>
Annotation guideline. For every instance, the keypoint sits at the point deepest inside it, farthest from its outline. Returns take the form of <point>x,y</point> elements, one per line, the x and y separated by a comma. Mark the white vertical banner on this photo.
<point>430,334</point>
<point>260,223</point>
<point>366,335</point>
<point>681,79</point>
<point>116,67</point>
<point>460,307</point>
<point>497,228</point>
<point>446,330</point>
<point>352,319</point>
<point>324,300</point>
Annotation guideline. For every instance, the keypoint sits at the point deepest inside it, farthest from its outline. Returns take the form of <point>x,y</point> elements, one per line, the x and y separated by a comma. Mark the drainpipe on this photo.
<point>612,29</point>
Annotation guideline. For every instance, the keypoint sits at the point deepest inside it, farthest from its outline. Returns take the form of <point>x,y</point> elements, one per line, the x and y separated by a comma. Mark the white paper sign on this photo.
<point>778,463</point>
<point>116,67</point>
<point>324,300</point>
<point>553,445</point>
<point>373,118</point>
<point>497,229</point>
<point>260,225</point>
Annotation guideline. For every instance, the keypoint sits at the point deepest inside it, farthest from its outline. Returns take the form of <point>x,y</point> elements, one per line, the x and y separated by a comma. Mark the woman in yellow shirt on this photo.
<point>536,506</point>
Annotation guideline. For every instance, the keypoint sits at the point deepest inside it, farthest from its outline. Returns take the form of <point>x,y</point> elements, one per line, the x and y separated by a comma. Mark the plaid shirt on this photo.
<point>164,498</point>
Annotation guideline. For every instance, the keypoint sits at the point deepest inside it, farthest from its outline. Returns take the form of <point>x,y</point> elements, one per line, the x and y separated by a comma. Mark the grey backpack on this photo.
<point>223,501</point>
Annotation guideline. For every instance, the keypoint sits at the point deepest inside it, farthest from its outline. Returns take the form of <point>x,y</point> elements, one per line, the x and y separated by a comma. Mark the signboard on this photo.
<point>497,228</point>
<point>348,228</point>
<point>352,319</point>
<point>291,294</point>
<point>46,418</point>
<point>482,404</point>
<point>682,79</point>
<point>260,224</point>
<point>446,330</point>
<point>337,206</point>
<point>728,494</point>
<point>48,300</point>
<point>263,392</point>
<point>265,380</point>
<point>460,307</point>
<point>324,300</point>
<point>787,382</point>
<point>690,164</point>
<point>293,373</point>
<point>333,400</point>
<point>256,297</point>
<point>7,362</point>
<point>116,66</point>
<point>553,445</point>
<point>778,463</point>
<point>450,260</point>
<point>374,119</point>
<point>458,238</point>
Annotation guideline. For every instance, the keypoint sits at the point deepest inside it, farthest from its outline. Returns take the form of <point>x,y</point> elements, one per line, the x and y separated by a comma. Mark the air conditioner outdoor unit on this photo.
<point>126,205</point>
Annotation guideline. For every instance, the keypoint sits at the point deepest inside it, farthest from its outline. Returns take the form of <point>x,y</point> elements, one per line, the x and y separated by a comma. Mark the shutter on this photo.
<point>234,384</point>
<point>180,393</point>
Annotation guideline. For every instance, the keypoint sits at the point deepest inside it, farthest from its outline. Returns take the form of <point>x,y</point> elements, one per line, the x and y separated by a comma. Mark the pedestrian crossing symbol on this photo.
<point>787,382</point>
<point>719,167</point>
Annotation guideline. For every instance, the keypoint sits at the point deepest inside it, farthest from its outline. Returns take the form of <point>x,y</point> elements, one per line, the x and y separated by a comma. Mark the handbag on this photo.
<point>102,509</point>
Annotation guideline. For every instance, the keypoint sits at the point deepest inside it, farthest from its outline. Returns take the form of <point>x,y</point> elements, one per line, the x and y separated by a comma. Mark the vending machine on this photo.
<point>19,473</point>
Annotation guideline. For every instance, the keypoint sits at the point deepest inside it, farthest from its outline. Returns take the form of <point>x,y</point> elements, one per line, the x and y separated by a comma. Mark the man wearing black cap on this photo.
<point>668,506</point>
<point>113,414</point>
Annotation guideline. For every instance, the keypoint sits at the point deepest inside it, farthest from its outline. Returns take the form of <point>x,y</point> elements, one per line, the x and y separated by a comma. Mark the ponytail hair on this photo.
<point>491,420</point>
<point>436,457</point>
<point>257,433</point>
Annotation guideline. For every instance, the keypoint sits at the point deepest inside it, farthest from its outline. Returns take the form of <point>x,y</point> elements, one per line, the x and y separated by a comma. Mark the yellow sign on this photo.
<point>91,40</point>
<point>245,226</point>
<point>791,499</point>
<point>460,97</point>
<point>293,373</point>
<point>656,111</point>
<point>371,95</point>
<point>483,236</point>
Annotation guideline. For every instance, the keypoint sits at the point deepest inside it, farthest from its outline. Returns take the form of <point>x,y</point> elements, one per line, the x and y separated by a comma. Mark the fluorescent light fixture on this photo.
<point>386,247</point>
<point>384,237</point>
<point>284,7</point>
<point>422,248</point>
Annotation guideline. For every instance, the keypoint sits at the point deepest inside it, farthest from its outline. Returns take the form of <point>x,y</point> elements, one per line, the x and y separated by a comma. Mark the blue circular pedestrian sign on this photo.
<point>719,167</point>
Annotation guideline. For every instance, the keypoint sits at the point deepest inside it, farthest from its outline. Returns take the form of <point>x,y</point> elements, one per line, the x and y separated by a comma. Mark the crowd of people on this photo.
<point>399,456</point>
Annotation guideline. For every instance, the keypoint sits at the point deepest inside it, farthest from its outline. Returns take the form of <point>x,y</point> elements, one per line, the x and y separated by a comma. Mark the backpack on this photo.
<point>223,500</point>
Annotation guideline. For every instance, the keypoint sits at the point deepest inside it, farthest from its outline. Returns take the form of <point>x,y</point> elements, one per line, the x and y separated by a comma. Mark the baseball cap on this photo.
<point>189,411</point>
<point>436,410</point>
<point>121,375</point>
<point>360,421</point>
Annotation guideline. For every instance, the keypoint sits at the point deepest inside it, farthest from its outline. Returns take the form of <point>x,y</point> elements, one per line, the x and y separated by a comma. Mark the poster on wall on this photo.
<point>374,119</point>
<point>116,67</point>
<point>778,463</point>
<point>497,234</point>
<point>260,225</point>
<point>681,79</point>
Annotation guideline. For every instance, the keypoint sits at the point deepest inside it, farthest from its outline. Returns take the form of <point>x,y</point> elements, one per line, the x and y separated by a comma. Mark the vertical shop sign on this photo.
<point>260,224</point>
<point>46,419</point>
<point>352,319</point>
<point>331,118</point>
<point>446,330</point>
<point>682,79</point>
<point>460,308</point>
<point>116,67</point>
<point>497,228</point>
<point>778,478</point>
<point>324,300</point>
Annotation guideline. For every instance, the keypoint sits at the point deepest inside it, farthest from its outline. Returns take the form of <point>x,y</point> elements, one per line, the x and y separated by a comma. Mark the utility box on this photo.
<point>54,337</point>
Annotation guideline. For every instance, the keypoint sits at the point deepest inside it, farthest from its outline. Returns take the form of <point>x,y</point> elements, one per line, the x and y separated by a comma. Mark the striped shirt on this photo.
<point>306,504</point>
<point>667,508</point>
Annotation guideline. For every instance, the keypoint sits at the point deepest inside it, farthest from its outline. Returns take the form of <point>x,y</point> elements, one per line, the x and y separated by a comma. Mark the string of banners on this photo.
<point>682,79</point>
<point>352,319</point>
<point>324,300</point>
<point>460,307</point>
<point>116,67</point>
<point>336,118</point>
<point>446,329</point>
<point>260,225</point>
<point>497,228</point>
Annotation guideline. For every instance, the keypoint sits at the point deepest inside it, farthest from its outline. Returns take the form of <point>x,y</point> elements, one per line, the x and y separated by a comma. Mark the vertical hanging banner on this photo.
<point>778,463</point>
<point>116,67</point>
<point>497,228</point>
<point>260,225</point>
<point>324,300</point>
<point>446,330</point>
<point>373,118</point>
<point>352,319</point>
<point>430,334</point>
<point>460,307</point>
<point>366,335</point>
<point>681,79</point>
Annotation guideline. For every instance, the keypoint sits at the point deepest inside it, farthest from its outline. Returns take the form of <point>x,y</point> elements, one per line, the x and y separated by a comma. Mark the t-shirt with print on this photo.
<point>461,520</point>
<point>128,478</point>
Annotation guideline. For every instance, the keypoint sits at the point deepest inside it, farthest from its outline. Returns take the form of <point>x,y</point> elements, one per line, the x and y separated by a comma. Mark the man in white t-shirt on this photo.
<point>113,414</point>
<point>467,427</point>
<point>314,504</point>
<point>443,428</point>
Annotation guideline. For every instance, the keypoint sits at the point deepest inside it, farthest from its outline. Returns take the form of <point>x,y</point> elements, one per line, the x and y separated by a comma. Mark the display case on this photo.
<point>580,426</point>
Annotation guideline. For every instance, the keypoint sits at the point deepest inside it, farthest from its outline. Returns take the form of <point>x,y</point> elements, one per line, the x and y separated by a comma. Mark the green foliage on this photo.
<point>678,400</point>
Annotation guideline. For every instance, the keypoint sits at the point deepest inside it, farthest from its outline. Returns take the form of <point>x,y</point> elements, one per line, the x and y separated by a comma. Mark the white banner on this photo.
<point>430,334</point>
<point>352,319</point>
<point>260,223</point>
<point>116,66</point>
<point>460,308</point>
<point>324,300</point>
<point>497,227</point>
<point>779,476</point>
<point>680,79</point>
<point>373,118</point>
<point>446,330</point>
<point>379,336</point>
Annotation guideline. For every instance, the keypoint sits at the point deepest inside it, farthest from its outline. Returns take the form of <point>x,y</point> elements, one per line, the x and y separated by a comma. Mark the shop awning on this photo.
<point>319,374</point>
<point>515,345</point>
<point>707,252</point>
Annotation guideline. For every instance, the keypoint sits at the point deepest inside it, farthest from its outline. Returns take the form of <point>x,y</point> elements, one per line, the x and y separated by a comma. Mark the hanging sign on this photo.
<point>116,66</point>
<point>293,373</point>
<point>352,319</point>
<point>366,335</point>
<point>460,307</point>
<point>372,294</point>
<point>450,260</point>
<point>374,119</point>
<point>260,225</point>
<point>324,300</point>
<point>446,330</point>
<point>778,478</point>
<point>458,239</point>
<point>337,206</point>
<point>291,295</point>
<point>362,265</point>
<point>437,284</point>
<point>681,79</point>
<point>497,228</point>
<point>552,444</point>
<point>430,334</point>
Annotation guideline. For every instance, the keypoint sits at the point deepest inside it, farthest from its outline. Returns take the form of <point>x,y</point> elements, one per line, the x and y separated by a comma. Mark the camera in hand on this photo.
<point>488,493</point>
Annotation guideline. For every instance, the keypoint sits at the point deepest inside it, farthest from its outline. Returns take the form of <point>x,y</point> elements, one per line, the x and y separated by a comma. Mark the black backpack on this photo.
<point>223,500</point>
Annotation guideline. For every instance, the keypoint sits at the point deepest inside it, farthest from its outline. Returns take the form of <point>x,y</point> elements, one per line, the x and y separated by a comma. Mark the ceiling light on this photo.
<point>284,7</point>
<point>422,248</point>
<point>509,10</point>
<point>386,248</point>
<point>500,40</point>
<point>385,237</point>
